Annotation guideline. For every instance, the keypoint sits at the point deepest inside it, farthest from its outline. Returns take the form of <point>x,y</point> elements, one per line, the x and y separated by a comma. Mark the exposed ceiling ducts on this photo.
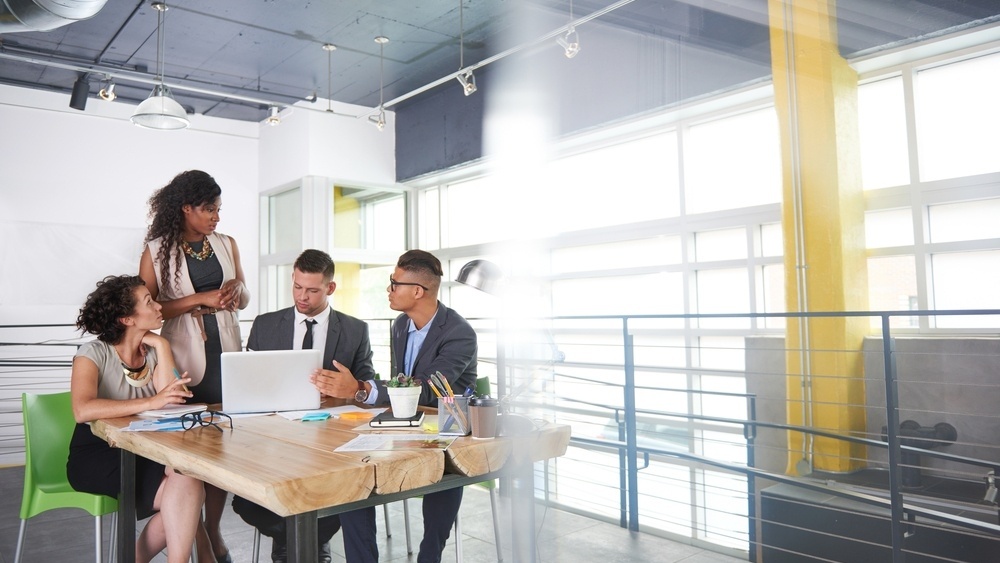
<point>45,15</point>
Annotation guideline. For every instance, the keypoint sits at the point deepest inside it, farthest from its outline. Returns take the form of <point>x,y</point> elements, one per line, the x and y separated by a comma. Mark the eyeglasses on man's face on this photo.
<point>205,418</point>
<point>393,283</point>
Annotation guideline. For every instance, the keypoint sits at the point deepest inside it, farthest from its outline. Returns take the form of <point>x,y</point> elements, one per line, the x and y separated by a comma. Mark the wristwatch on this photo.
<point>362,394</point>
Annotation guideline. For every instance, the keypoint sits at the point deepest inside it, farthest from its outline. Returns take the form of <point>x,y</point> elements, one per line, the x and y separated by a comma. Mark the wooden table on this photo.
<point>290,468</point>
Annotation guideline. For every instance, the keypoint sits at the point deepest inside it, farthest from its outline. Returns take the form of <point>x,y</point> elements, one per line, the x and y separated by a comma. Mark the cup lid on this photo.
<point>483,402</point>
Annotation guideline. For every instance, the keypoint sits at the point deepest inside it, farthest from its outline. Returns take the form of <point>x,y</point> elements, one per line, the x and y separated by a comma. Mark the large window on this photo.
<point>932,237</point>
<point>685,218</point>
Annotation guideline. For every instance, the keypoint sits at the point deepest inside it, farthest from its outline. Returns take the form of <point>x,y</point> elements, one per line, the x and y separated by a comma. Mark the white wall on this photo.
<point>342,146</point>
<point>73,191</point>
<point>74,186</point>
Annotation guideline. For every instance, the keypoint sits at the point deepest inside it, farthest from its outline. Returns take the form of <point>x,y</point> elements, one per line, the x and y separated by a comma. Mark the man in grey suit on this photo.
<point>427,337</point>
<point>313,324</point>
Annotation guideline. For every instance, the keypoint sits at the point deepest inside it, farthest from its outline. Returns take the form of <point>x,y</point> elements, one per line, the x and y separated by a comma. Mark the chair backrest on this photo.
<point>483,386</point>
<point>48,428</point>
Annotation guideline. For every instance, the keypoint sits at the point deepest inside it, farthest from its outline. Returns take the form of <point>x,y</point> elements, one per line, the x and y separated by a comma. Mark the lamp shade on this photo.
<point>482,275</point>
<point>160,111</point>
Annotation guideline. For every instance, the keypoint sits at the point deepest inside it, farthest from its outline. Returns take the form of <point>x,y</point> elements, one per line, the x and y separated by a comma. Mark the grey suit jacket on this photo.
<point>450,347</point>
<point>346,340</point>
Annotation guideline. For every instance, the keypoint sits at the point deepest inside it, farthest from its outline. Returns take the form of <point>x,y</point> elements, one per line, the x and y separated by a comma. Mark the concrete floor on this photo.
<point>67,535</point>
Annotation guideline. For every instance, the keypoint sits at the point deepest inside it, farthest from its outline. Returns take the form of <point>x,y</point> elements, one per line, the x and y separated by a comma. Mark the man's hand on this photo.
<point>340,383</point>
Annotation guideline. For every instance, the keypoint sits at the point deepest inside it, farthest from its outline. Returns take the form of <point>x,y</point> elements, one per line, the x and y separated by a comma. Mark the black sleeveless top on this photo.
<point>206,275</point>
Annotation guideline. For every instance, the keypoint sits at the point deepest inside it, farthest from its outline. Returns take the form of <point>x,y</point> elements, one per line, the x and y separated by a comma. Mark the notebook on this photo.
<point>269,381</point>
<point>386,420</point>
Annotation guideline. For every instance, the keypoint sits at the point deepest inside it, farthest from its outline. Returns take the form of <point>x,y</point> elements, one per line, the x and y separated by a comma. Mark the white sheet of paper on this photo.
<point>372,442</point>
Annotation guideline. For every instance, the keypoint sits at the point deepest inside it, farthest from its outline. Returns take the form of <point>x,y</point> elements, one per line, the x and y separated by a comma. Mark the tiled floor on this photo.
<point>66,536</point>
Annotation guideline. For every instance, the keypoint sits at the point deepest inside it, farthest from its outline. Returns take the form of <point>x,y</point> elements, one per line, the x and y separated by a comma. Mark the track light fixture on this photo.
<point>107,92</point>
<point>379,120</point>
<point>81,89</point>
<point>329,48</point>
<point>160,110</point>
<point>571,39</point>
<point>468,82</point>
<point>273,119</point>
<point>466,79</point>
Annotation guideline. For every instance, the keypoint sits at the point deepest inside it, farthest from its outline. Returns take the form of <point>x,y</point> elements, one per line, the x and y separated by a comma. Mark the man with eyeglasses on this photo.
<point>427,337</point>
<point>312,324</point>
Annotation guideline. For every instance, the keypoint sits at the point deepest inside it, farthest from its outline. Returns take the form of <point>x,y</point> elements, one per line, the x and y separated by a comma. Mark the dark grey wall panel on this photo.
<point>617,74</point>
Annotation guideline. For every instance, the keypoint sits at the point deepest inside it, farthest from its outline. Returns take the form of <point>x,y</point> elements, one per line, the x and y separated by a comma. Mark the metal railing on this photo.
<point>672,397</point>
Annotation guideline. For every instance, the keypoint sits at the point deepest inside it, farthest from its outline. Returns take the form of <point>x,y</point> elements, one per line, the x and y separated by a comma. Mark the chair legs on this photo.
<point>385,514</point>
<point>98,540</point>
<point>20,542</point>
<point>256,546</point>
<point>406,526</point>
<point>496,523</point>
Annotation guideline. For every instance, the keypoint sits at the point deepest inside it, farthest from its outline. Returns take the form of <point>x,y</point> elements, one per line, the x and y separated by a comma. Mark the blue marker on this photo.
<point>178,376</point>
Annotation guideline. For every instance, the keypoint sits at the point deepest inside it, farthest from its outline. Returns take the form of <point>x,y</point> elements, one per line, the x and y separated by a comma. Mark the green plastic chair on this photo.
<point>48,427</point>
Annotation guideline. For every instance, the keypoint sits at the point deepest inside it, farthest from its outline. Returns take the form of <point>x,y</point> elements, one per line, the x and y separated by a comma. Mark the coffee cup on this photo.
<point>483,417</point>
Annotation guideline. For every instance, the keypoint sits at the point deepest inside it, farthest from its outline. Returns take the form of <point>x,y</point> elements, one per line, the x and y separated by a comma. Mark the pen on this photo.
<point>177,375</point>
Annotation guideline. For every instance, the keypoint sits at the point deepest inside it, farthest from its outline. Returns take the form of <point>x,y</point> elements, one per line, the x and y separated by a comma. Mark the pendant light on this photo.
<point>466,79</point>
<point>379,120</point>
<point>160,110</point>
<point>329,48</point>
<point>570,41</point>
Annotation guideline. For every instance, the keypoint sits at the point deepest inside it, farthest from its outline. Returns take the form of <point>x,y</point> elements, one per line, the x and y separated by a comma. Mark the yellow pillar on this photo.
<point>346,234</point>
<point>823,225</point>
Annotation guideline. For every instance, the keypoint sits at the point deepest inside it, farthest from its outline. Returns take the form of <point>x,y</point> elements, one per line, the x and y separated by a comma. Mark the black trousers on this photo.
<point>359,528</point>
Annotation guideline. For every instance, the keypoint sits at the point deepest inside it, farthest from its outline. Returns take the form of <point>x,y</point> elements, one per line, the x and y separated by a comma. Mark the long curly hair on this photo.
<point>166,212</point>
<point>104,308</point>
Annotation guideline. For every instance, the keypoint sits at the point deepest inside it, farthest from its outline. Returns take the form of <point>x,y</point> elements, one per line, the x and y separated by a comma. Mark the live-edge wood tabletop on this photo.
<point>290,467</point>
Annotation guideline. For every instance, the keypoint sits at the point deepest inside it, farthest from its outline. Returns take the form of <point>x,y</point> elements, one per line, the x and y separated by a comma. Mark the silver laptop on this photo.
<point>269,381</point>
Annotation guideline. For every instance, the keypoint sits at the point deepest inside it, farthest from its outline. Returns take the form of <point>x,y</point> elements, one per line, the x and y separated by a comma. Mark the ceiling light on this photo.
<point>107,92</point>
<point>570,42</point>
<point>81,89</point>
<point>273,119</point>
<point>468,82</point>
<point>160,110</point>
<point>466,79</point>
<point>329,48</point>
<point>379,120</point>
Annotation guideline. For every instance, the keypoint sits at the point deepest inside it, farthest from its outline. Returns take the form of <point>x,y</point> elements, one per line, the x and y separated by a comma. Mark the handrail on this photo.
<point>915,510</point>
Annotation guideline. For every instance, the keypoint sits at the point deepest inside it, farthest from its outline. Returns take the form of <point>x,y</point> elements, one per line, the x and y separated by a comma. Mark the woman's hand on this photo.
<point>173,394</point>
<point>156,342</point>
<point>231,294</point>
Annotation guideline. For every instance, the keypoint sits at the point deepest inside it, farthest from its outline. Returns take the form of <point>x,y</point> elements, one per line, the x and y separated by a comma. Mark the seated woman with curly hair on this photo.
<point>127,370</point>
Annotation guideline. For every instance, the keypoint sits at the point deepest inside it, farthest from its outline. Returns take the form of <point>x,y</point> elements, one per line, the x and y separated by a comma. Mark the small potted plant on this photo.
<point>404,394</point>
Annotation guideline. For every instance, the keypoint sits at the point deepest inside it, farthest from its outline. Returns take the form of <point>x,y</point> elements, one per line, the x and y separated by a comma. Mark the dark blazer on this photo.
<point>450,348</point>
<point>346,340</point>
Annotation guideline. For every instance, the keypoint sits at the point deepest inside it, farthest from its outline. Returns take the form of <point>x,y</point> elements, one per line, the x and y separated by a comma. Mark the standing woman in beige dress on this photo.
<point>195,274</point>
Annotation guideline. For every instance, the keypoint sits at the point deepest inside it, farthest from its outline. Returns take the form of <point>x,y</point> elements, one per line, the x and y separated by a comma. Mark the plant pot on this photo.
<point>403,400</point>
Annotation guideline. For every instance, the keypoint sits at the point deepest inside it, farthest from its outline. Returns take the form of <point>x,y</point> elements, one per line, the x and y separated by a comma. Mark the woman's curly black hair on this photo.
<point>193,188</point>
<point>113,299</point>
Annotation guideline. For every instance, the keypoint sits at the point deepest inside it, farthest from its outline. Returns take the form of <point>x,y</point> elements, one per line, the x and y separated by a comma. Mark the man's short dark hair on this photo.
<point>420,261</point>
<point>425,265</point>
<point>313,261</point>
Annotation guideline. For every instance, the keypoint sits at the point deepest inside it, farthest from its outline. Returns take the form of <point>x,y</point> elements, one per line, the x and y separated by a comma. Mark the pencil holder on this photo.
<point>453,416</point>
